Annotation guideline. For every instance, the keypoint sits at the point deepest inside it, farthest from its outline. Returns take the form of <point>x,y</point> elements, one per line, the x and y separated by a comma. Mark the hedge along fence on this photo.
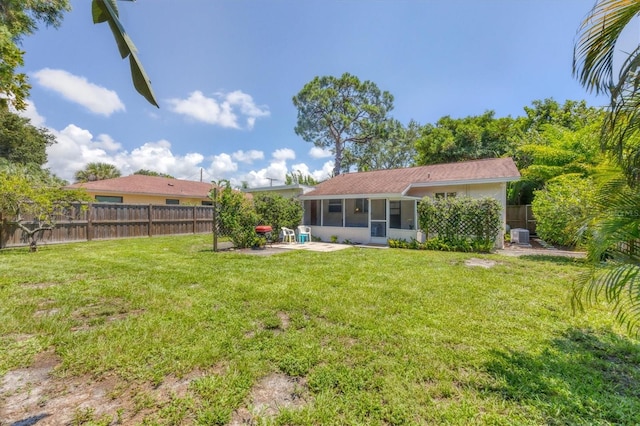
<point>461,223</point>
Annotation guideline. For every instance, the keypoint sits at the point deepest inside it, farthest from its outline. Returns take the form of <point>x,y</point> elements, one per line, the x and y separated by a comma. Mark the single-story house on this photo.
<point>143,189</point>
<point>371,207</point>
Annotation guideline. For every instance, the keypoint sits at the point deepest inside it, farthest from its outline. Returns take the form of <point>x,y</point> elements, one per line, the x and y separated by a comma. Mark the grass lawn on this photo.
<point>164,331</point>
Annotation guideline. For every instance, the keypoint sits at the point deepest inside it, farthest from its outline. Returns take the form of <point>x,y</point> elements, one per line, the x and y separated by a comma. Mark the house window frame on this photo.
<point>334,205</point>
<point>444,195</point>
<point>115,199</point>
<point>172,202</point>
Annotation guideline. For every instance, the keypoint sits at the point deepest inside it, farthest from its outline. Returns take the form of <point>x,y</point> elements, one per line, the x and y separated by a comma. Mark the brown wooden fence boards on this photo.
<point>521,217</point>
<point>101,221</point>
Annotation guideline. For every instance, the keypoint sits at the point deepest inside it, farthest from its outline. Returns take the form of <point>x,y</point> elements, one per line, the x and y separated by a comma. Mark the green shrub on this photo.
<point>277,211</point>
<point>236,216</point>
<point>562,208</point>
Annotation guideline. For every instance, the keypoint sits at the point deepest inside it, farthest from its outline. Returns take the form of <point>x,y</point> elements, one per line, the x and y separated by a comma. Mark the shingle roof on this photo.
<point>395,181</point>
<point>150,185</point>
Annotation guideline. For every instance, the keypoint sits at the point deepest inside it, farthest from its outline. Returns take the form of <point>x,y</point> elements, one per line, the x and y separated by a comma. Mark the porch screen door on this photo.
<point>378,220</point>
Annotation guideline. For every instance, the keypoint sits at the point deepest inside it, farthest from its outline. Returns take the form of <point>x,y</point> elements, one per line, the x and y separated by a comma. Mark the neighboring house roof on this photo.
<point>303,189</point>
<point>400,181</point>
<point>148,185</point>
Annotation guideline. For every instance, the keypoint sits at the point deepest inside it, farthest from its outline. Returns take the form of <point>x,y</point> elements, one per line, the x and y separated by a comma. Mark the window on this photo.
<point>401,214</point>
<point>441,195</point>
<point>311,213</point>
<point>332,213</point>
<point>206,203</point>
<point>335,206</point>
<point>357,212</point>
<point>361,205</point>
<point>172,201</point>
<point>108,199</point>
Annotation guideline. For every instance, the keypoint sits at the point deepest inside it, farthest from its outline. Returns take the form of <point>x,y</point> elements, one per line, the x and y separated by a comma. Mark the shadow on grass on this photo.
<point>583,377</point>
<point>560,260</point>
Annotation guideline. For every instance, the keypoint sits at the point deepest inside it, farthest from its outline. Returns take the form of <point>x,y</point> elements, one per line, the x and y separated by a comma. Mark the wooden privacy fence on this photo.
<point>101,221</point>
<point>521,217</point>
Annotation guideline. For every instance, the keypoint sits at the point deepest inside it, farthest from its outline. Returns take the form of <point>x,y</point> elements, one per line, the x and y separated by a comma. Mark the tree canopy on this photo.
<point>393,147</point>
<point>469,138</point>
<point>22,143</point>
<point>339,113</point>
<point>33,200</point>
<point>17,20</point>
<point>97,171</point>
<point>152,173</point>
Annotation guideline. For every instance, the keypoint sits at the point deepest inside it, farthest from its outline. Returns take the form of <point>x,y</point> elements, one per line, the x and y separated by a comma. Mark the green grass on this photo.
<point>372,336</point>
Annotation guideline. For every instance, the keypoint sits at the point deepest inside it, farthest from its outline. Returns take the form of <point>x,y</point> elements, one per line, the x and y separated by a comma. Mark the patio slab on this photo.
<point>312,246</point>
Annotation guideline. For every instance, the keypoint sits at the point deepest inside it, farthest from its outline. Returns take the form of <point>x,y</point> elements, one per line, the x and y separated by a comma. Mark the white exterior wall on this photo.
<point>497,191</point>
<point>355,235</point>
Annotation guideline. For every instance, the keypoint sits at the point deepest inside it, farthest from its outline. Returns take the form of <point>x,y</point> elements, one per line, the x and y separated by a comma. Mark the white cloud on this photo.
<point>76,147</point>
<point>284,154</point>
<point>325,173</point>
<point>256,179</point>
<point>222,165</point>
<point>318,175</point>
<point>248,156</point>
<point>77,89</point>
<point>157,156</point>
<point>317,152</point>
<point>221,110</point>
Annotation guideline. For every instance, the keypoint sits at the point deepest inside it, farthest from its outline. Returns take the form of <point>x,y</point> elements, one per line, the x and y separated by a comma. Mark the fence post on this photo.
<point>215,219</point>
<point>1,229</point>
<point>194,219</point>
<point>150,211</point>
<point>90,222</point>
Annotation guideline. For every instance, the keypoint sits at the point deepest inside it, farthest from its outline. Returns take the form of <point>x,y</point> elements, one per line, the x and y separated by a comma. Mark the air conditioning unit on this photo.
<point>520,236</point>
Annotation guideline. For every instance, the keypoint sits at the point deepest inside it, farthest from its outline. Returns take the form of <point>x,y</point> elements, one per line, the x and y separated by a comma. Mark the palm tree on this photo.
<point>97,171</point>
<point>614,250</point>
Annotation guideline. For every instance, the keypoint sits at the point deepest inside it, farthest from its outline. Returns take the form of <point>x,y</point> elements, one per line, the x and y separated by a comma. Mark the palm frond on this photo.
<point>615,283</point>
<point>596,42</point>
<point>107,11</point>
<point>614,252</point>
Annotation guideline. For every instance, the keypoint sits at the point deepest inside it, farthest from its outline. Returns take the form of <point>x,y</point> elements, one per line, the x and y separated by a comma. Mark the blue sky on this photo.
<point>225,71</point>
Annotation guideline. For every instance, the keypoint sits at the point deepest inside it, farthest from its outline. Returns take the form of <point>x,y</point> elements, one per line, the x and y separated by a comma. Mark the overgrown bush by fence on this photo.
<point>460,223</point>
<point>237,215</point>
<point>562,209</point>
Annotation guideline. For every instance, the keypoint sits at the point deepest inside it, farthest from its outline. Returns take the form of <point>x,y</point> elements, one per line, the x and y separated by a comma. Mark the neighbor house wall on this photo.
<point>150,199</point>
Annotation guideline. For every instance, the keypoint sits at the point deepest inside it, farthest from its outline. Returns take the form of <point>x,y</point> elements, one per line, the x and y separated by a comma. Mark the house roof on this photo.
<point>303,189</point>
<point>148,185</point>
<point>400,181</point>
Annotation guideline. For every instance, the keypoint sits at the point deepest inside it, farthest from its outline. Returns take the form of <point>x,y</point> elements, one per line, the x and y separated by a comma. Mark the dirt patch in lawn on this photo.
<point>36,395</point>
<point>269,396</point>
<point>482,263</point>
<point>39,395</point>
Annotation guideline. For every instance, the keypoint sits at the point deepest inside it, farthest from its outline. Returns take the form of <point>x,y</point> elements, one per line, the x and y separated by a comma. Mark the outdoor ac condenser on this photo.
<point>520,236</point>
